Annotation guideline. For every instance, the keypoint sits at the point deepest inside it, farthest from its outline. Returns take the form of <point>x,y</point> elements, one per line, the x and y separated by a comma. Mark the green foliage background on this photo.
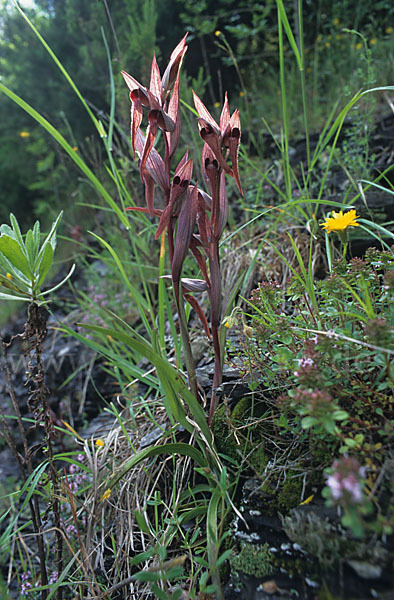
<point>35,175</point>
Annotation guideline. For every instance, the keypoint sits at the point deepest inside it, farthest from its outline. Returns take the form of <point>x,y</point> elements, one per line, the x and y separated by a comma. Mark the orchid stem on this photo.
<point>188,354</point>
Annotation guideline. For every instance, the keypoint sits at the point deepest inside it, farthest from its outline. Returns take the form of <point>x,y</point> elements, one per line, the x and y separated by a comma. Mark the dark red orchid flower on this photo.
<point>160,116</point>
<point>222,139</point>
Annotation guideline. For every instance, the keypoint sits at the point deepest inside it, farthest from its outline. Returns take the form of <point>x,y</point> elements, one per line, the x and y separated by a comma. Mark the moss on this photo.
<point>249,443</point>
<point>290,494</point>
<point>224,437</point>
<point>253,560</point>
<point>242,410</point>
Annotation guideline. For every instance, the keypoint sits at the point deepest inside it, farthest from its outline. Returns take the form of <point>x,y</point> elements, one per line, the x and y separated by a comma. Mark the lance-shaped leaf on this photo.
<point>223,208</point>
<point>225,117</point>
<point>189,285</point>
<point>215,291</point>
<point>12,251</point>
<point>149,192</point>
<point>136,119</point>
<point>194,285</point>
<point>157,212</point>
<point>136,89</point>
<point>199,311</point>
<point>200,259</point>
<point>232,139</point>
<point>180,184</point>
<point>154,163</point>
<point>203,224</point>
<point>186,223</point>
<point>155,79</point>
<point>173,112</point>
<point>149,141</point>
<point>139,97</point>
<point>171,73</point>
<point>204,113</point>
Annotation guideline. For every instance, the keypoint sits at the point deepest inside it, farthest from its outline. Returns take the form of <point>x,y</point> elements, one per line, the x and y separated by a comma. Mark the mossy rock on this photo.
<point>253,559</point>
<point>290,494</point>
<point>236,446</point>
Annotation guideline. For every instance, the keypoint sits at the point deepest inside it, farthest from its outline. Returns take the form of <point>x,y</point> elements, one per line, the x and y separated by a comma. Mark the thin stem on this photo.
<point>188,354</point>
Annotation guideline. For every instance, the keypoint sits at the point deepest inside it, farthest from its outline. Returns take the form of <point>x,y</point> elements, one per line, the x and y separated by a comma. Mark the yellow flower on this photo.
<point>359,46</point>
<point>106,495</point>
<point>389,29</point>
<point>242,93</point>
<point>340,221</point>
<point>9,276</point>
<point>373,41</point>
<point>24,134</point>
<point>75,148</point>
<point>100,443</point>
<point>217,104</point>
<point>327,44</point>
<point>218,33</point>
<point>335,21</point>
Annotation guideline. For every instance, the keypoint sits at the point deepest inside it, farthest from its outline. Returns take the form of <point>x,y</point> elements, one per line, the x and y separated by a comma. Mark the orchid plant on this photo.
<point>193,219</point>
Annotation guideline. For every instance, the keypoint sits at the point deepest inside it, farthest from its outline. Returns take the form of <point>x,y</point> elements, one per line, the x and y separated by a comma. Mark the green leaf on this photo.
<point>16,230</point>
<point>141,521</point>
<point>147,576</point>
<point>159,593</point>
<point>170,379</point>
<point>58,285</point>
<point>36,234</point>
<point>340,415</point>
<point>173,448</point>
<point>11,297</point>
<point>308,422</point>
<point>142,557</point>
<point>11,249</point>
<point>31,249</point>
<point>45,263</point>
<point>223,557</point>
<point>289,33</point>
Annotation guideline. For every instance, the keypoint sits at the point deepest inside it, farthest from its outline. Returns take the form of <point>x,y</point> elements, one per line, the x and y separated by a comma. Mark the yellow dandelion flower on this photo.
<point>389,29</point>
<point>100,443</point>
<point>359,46</point>
<point>340,221</point>
<point>106,495</point>
<point>218,33</point>
<point>242,93</point>
<point>327,44</point>
<point>217,104</point>
<point>75,148</point>
<point>24,134</point>
<point>9,276</point>
<point>373,41</point>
